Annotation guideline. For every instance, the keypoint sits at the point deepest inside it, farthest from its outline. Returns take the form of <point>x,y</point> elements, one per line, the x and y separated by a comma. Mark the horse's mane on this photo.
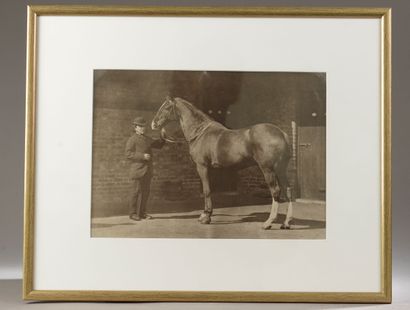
<point>196,113</point>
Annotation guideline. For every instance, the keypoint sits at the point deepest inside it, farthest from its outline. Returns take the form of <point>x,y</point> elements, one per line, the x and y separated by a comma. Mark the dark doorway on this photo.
<point>312,162</point>
<point>311,139</point>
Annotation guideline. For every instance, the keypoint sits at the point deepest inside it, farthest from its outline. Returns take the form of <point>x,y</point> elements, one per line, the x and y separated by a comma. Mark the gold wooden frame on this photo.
<point>384,296</point>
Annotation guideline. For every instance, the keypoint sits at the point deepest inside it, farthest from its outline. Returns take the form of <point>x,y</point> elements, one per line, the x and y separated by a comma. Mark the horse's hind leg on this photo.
<point>289,213</point>
<point>272,182</point>
<point>284,185</point>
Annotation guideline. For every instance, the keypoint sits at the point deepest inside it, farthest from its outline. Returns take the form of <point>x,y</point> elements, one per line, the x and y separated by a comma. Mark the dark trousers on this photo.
<point>139,195</point>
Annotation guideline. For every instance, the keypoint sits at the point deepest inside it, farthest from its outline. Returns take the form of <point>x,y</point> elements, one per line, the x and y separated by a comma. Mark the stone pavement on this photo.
<point>243,222</point>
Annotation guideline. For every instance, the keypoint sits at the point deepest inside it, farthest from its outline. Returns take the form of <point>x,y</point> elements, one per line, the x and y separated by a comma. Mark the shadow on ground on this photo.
<point>179,206</point>
<point>177,217</point>
<point>260,217</point>
<point>104,225</point>
<point>257,217</point>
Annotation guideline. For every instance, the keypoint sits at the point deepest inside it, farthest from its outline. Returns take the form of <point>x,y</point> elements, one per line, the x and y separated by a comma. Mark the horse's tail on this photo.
<point>282,170</point>
<point>289,149</point>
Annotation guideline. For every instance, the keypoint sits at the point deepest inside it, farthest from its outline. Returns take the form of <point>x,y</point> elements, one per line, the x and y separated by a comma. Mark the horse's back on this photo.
<point>225,147</point>
<point>221,147</point>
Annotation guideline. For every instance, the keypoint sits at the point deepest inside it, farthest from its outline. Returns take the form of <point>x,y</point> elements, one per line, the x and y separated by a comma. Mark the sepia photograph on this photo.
<point>209,154</point>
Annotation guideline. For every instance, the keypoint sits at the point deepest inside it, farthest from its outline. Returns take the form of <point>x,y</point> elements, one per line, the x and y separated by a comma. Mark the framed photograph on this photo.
<point>208,154</point>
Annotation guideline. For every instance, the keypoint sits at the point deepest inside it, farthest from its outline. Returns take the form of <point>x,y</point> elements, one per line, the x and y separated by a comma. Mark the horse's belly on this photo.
<point>232,149</point>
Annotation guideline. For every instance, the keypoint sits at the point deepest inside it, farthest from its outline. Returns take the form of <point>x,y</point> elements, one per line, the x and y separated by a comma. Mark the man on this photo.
<point>138,152</point>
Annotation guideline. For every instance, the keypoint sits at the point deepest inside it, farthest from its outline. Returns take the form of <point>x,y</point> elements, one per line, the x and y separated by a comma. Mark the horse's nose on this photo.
<point>153,125</point>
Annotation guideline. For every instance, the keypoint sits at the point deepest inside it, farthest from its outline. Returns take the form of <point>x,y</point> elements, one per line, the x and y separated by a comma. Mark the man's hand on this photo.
<point>147,156</point>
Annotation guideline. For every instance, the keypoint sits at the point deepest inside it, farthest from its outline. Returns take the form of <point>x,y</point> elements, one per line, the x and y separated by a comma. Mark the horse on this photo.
<point>213,145</point>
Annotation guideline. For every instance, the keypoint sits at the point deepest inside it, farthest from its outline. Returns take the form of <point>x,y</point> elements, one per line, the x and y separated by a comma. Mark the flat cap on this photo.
<point>140,121</point>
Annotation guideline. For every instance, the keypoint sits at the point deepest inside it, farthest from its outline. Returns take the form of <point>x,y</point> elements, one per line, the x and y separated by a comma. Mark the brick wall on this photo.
<point>110,183</point>
<point>175,177</point>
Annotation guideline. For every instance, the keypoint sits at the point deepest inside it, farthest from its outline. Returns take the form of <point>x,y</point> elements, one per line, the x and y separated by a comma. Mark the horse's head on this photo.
<point>164,114</point>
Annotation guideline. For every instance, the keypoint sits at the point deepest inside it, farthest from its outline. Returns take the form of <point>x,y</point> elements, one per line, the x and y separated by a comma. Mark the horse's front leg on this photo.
<point>205,217</point>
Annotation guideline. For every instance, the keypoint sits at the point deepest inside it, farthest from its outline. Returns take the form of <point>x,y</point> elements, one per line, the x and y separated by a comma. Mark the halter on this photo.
<point>175,118</point>
<point>173,111</point>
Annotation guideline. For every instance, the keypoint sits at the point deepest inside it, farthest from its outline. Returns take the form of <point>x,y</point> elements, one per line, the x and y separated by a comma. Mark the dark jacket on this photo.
<point>137,146</point>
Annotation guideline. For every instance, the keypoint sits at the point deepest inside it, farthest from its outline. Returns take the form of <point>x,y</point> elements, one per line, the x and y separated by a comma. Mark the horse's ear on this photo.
<point>168,97</point>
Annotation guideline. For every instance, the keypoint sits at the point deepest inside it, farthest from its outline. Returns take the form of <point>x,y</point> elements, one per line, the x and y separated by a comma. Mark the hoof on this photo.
<point>204,219</point>
<point>283,226</point>
<point>267,225</point>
